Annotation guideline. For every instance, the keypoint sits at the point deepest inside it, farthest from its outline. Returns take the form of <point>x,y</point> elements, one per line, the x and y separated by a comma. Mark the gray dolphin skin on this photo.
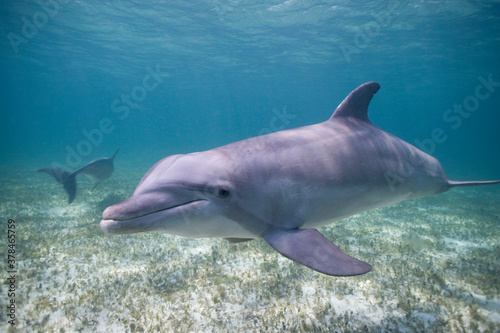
<point>283,185</point>
<point>97,170</point>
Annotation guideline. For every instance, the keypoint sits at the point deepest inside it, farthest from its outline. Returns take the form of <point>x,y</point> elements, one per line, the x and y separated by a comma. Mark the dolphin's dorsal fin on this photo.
<point>310,248</point>
<point>356,104</point>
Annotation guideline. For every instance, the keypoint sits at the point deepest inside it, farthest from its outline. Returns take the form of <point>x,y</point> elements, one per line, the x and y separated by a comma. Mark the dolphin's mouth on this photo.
<point>148,213</point>
<point>120,219</point>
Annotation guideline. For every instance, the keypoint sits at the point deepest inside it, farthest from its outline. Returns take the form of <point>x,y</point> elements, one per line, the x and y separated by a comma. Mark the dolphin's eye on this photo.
<point>223,192</point>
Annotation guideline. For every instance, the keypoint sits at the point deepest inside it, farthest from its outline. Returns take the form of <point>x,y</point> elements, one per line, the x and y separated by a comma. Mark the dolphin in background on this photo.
<point>282,186</point>
<point>97,170</point>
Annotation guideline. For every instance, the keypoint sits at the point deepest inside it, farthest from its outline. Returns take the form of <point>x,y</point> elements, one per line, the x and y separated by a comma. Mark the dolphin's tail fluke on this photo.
<point>66,178</point>
<point>454,183</point>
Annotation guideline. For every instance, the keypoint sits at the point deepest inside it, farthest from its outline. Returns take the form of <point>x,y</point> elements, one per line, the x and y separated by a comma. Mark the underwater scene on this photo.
<point>288,217</point>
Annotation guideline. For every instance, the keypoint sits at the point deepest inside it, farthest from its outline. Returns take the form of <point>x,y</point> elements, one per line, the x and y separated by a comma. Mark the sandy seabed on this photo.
<point>436,268</point>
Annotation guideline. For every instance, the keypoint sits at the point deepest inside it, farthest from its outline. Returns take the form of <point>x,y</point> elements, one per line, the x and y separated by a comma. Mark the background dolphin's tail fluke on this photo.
<point>454,183</point>
<point>66,178</point>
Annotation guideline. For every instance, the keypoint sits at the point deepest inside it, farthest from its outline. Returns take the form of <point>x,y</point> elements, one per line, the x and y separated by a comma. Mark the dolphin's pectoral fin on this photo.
<point>310,248</point>
<point>238,240</point>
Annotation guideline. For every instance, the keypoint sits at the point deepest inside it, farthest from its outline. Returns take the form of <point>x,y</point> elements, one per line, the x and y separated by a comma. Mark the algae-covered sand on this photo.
<point>436,268</point>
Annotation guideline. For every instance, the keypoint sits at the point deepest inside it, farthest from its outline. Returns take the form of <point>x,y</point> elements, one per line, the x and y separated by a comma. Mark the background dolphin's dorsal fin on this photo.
<point>116,152</point>
<point>356,104</point>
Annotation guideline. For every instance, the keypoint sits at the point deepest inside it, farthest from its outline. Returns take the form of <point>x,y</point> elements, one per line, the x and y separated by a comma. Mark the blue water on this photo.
<point>227,64</point>
<point>80,79</point>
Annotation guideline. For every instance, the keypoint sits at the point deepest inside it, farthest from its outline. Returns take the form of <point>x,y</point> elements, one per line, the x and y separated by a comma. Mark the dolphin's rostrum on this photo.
<point>97,170</point>
<point>281,186</point>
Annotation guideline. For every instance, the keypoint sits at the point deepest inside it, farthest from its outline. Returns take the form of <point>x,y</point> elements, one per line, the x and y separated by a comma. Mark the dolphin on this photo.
<point>97,170</point>
<point>282,186</point>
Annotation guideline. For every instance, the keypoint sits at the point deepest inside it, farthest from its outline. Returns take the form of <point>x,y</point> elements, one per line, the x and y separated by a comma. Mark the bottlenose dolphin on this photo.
<point>283,185</point>
<point>97,170</point>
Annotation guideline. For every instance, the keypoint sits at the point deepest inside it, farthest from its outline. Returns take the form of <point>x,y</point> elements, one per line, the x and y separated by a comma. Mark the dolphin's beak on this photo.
<point>147,212</point>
